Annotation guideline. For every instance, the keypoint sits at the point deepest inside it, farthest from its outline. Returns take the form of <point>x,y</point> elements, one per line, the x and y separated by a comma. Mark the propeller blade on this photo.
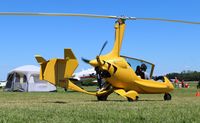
<point>104,45</point>
<point>85,60</point>
<point>94,16</point>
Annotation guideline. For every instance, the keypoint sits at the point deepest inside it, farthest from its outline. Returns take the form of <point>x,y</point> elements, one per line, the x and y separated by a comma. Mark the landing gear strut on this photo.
<point>108,88</point>
<point>167,97</point>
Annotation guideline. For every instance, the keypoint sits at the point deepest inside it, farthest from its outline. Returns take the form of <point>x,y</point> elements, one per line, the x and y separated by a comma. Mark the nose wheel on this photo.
<point>167,97</point>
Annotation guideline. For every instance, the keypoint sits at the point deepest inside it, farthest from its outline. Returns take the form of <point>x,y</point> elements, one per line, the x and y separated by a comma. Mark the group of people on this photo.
<point>141,71</point>
<point>182,84</point>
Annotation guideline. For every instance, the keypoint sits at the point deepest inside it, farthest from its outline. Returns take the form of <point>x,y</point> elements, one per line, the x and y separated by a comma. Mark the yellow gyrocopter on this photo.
<point>121,74</point>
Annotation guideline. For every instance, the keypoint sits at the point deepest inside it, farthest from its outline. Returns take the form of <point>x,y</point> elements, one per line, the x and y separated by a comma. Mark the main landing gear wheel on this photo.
<point>102,97</point>
<point>167,97</point>
<point>108,88</point>
<point>131,100</point>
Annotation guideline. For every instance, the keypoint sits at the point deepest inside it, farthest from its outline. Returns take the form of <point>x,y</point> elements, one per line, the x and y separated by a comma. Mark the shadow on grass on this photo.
<point>56,102</point>
<point>126,101</point>
<point>107,101</point>
<point>151,100</point>
<point>63,102</point>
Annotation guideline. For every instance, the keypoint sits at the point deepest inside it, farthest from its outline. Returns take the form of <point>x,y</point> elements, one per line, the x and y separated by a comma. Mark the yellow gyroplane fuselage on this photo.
<point>124,77</point>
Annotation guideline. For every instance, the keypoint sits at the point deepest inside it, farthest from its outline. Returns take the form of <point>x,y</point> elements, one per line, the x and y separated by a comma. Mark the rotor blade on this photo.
<point>85,60</point>
<point>94,16</point>
<point>104,45</point>
<point>56,14</point>
<point>168,20</point>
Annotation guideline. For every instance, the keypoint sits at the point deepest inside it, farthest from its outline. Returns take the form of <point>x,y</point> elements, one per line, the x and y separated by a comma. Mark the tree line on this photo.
<point>185,75</point>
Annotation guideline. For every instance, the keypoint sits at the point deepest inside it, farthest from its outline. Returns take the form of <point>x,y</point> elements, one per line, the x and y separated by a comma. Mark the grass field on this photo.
<point>72,107</point>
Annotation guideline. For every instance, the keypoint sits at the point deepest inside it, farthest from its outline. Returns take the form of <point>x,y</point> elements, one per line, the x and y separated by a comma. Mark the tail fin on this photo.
<point>42,63</point>
<point>40,59</point>
<point>58,71</point>
<point>72,62</point>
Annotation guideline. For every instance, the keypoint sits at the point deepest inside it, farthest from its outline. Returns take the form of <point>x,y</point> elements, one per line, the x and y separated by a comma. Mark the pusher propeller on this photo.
<point>97,69</point>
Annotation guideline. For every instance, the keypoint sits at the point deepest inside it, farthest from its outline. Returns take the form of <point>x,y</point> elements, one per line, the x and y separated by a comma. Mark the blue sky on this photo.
<point>172,47</point>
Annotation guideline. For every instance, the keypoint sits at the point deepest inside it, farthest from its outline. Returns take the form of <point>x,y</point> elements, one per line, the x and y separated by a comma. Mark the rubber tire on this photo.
<point>102,98</point>
<point>167,97</point>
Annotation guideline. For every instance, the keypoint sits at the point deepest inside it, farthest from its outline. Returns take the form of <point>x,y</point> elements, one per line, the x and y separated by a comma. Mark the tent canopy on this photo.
<point>26,69</point>
<point>26,78</point>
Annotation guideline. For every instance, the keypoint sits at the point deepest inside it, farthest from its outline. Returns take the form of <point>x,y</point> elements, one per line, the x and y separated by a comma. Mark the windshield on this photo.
<point>134,63</point>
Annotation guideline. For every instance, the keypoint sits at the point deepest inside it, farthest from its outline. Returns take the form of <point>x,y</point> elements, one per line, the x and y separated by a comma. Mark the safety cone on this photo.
<point>198,94</point>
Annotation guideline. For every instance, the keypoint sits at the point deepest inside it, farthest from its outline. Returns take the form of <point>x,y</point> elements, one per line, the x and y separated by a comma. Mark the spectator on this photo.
<point>176,82</point>
<point>182,84</point>
<point>187,85</point>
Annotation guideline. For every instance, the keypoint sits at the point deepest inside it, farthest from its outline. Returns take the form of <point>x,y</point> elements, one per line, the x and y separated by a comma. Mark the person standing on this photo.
<point>182,84</point>
<point>176,82</point>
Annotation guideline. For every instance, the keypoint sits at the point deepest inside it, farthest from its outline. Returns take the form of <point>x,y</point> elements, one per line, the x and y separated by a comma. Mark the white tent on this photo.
<point>26,79</point>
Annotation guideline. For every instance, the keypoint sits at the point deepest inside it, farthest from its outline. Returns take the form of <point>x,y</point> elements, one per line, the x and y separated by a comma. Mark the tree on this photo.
<point>186,75</point>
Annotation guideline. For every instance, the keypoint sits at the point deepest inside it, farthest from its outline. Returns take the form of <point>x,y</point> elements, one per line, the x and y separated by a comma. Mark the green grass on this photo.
<point>72,107</point>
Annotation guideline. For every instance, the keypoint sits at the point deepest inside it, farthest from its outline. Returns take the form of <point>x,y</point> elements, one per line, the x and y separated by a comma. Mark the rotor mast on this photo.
<point>119,34</point>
